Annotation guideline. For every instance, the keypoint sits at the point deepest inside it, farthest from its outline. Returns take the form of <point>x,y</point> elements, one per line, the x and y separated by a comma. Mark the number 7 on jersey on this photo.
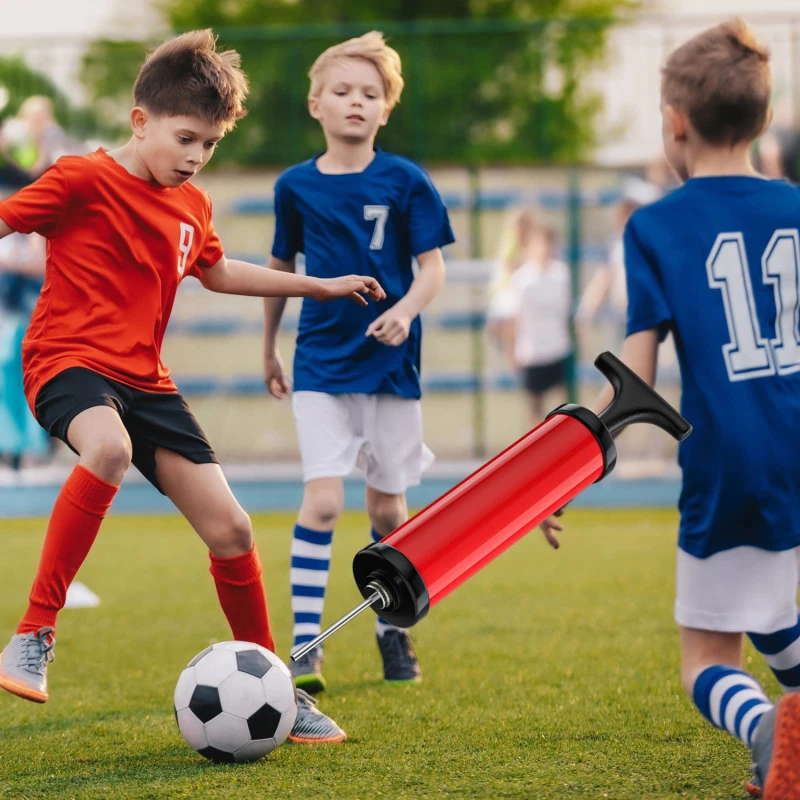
<point>380,214</point>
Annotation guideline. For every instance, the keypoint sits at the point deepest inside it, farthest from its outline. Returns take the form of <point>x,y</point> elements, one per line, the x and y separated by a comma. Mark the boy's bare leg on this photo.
<point>703,649</point>
<point>201,493</point>
<point>323,503</point>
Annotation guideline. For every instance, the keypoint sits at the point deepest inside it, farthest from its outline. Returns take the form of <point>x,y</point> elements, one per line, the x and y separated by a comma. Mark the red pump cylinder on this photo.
<point>494,507</point>
<point>420,563</point>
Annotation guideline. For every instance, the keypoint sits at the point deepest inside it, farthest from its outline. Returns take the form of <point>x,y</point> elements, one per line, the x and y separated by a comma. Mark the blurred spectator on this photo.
<point>779,154</point>
<point>31,142</point>
<point>515,248</point>
<point>606,292</point>
<point>540,303</point>
<point>778,150</point>
<point>22,263</point>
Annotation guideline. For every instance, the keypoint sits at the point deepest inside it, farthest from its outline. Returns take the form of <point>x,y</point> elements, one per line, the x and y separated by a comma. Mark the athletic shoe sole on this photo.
<point>328,740</point>
<point>403,681</point>
<point>783,780</point>
<point>20,690</point>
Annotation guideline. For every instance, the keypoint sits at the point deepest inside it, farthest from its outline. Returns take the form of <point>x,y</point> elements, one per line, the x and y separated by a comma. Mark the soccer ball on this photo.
<point>235,701</point>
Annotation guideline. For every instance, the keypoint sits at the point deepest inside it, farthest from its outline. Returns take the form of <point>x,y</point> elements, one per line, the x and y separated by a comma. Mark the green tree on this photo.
<point>497,81</point>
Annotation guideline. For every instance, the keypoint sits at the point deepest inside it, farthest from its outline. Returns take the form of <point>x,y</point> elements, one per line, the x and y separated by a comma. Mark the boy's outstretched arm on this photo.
<point>242,278</point>
<point>392,326</point>
<point>640,353</point>
<point>274,375</point>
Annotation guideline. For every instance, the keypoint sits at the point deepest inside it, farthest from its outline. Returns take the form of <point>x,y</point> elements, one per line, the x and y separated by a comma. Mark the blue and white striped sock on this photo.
<point>311,560</point>
<point>732,700</point>
<point>781,650</point>
<point>381,625</point>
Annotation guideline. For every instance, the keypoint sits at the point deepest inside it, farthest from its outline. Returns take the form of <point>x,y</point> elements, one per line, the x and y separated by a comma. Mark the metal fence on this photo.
<point>477,92</point>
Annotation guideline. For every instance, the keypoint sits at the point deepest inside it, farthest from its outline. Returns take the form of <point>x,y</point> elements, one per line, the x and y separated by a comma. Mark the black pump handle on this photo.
<point>635,401</point>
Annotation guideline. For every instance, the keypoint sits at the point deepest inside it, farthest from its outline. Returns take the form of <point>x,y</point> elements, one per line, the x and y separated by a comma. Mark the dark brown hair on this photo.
<point>187,76</point>
<point>721,79</point>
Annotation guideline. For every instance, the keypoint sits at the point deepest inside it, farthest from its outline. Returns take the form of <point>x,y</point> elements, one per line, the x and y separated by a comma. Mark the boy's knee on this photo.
<point>325,506</point>
<point>387,513</point>
<point>233,535</point>
<point>108,457</point>
<point>240,532</point>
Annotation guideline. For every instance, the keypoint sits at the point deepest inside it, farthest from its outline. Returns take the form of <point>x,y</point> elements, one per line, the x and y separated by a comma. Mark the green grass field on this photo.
<point>548,675</point>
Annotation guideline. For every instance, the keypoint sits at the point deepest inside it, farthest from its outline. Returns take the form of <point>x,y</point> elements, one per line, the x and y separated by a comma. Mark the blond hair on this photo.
<point>188,76</point>
<point>370,47</point>
<point>721,79</point>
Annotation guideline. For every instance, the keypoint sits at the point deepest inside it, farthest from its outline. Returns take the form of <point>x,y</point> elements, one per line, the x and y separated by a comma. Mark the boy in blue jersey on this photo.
<point>356,393</point>
<point>716,262</point>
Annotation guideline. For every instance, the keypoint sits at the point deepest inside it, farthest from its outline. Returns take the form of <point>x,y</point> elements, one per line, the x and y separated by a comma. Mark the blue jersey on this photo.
<point>717,262</point>
<point>365,223</point>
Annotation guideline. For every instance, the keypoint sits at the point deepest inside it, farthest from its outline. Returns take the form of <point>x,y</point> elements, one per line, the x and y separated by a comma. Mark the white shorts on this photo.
<point>379,433</point>
<point>742,590</point>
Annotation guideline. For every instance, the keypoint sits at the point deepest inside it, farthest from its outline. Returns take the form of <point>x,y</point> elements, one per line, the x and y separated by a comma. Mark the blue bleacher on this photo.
<point>432,382</point>
<point>484,200</point>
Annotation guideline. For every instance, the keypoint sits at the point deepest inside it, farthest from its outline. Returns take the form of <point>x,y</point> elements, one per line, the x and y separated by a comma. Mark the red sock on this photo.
<point>81,505</point>
<point>242,597</point>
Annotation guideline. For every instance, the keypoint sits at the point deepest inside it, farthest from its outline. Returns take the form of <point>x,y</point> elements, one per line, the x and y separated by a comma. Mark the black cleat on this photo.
<point>400,665</point>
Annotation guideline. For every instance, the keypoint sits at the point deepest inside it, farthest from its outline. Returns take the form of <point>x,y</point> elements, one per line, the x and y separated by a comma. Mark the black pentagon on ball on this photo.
<point>199,656</point>
<point>264,722</point>
<point>205,703</point>
<point>220,756</point>
<point>253,663</point>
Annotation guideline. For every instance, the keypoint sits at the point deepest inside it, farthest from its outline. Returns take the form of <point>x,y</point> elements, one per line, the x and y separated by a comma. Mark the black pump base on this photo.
<point>387,566</point>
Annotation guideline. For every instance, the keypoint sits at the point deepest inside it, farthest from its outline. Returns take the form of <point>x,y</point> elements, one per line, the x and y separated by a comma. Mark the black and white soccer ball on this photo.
<point>235,701</point>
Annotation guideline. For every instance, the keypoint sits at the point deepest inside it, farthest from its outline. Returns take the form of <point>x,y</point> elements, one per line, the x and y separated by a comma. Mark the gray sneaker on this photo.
<point>23,664</point>
<point>307,672</point>
<point>400,663</point>
<point>776,750</point>
<point>311,725</point>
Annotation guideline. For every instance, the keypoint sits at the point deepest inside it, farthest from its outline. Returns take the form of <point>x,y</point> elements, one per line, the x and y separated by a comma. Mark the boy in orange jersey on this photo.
<point>124,227</point>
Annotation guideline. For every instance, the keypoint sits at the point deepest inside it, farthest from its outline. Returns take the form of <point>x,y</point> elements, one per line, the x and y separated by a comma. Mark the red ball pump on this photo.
<point>421,562</point>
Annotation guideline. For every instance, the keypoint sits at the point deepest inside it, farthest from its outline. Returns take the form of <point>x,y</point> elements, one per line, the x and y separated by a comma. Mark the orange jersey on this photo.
<point>117,248</point>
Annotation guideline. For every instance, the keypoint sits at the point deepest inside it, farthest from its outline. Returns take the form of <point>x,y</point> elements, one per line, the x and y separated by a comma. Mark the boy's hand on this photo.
<point>352,286</point>
<point>549,528</point>
<point>391,327</point>
<point>274,377</point>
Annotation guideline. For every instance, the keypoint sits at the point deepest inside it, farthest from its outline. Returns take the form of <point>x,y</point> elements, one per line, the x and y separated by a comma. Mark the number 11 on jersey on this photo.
<point>749,354</point>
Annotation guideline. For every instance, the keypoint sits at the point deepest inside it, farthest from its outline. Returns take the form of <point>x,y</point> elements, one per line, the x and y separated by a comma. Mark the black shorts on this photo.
<point>152,419</point>
<point>544,377</point>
